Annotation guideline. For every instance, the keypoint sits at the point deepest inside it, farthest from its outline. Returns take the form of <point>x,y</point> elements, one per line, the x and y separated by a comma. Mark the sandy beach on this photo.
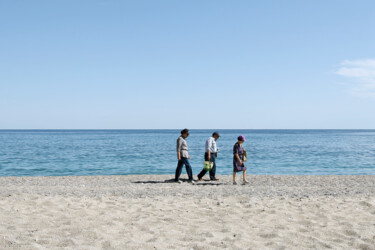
<point>152,212</point>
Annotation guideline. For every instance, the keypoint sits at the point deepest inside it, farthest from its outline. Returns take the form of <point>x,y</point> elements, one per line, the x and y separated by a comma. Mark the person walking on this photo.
<point>183,157</point>
<point>210,155</point>
<point>238,159</point>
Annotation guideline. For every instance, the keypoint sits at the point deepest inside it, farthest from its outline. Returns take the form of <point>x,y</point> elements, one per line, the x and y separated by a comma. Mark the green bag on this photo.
<point>207,165</point>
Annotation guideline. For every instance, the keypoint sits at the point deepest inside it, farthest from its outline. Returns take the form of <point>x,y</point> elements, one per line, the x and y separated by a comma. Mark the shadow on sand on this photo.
<point>203,182</point>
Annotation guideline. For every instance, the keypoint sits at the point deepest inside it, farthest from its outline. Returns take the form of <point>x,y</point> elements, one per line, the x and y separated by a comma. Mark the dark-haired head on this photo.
<point>185,132</point>
<point>216,135</point>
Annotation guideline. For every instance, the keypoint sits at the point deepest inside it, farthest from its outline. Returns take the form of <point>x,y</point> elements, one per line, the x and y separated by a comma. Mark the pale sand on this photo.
<point>150,212</point>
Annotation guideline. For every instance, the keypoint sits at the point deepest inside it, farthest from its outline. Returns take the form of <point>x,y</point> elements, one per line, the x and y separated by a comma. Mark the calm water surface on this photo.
<point>124,152</point>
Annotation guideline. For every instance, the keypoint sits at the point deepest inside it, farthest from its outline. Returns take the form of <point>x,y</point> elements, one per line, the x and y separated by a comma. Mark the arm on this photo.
<point>238,158</point>
<point>179,143</point>
<point>208,146</point>
<point>235,151</point>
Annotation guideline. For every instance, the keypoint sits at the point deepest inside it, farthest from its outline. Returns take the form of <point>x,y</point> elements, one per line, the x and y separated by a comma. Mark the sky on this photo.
<point>168,64</point>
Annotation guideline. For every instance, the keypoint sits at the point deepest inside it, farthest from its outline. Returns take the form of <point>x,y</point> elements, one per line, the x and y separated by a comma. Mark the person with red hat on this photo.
<point>238,159</point>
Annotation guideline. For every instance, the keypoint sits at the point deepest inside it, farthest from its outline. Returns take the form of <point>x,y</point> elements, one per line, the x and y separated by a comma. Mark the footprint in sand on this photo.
<point>207,234</point>
<point>365,204</point>
<point>338,240</point>
<point>66,243</point>
<point>106,244</point>
<point>268,235</point>
<point>350,233</point>
<point>365,247</point>
<point>43,242</point>
<point>305,223</point>
<point>303,230</point>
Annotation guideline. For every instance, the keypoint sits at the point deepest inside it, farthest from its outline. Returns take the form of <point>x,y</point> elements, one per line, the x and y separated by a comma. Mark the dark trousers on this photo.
<point>213,170</point>
<point>180,164</point>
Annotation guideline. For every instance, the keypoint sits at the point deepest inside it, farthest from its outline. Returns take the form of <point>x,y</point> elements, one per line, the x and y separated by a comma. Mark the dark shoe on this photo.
<point>199,179</point>
<point>216,179</point>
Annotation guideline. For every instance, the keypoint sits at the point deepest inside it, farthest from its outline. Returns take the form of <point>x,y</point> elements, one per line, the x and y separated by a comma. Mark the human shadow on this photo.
<point>200,183</point>
<point>158,182</point>
<point>209,183</point>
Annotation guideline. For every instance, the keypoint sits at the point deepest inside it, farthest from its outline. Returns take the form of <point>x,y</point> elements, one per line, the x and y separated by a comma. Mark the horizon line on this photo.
<point>189,129</point>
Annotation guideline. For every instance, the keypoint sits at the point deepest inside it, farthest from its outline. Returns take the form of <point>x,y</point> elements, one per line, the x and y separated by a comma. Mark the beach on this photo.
<point>153,212</point>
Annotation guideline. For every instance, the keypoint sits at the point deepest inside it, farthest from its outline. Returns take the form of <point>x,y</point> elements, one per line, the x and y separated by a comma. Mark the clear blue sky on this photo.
<point>196,64</point>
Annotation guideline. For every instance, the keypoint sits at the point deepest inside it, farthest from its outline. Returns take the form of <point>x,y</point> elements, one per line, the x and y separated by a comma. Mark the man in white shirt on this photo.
<point>210,155</point>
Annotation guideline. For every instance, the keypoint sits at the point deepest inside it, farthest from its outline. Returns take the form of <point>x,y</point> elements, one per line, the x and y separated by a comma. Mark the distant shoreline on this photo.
<point>197,129</point>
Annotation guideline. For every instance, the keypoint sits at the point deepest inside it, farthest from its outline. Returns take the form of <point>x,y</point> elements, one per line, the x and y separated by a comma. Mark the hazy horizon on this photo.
<point>217,129</point>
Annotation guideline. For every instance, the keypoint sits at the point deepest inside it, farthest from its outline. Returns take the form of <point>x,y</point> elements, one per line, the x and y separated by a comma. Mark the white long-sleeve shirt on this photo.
<point>211,145</point>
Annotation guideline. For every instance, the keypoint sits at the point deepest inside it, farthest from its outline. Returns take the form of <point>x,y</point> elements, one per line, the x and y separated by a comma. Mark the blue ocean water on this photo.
<point>124,152</point>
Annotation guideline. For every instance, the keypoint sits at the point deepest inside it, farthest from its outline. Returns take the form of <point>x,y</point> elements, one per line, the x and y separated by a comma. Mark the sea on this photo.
<point>153,152</point>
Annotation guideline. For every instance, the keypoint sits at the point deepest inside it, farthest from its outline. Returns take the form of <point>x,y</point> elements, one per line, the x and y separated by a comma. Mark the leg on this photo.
<point>244,175</point>
<point>213,170</point>
<point>188,169</point>
<point>201,174</point>
<point>178,169</point>
<point>234,177</point>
